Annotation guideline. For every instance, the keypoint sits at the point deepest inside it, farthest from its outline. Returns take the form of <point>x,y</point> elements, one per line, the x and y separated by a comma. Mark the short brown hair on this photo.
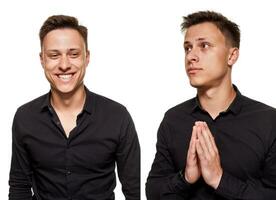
<point>229,29</point>
<point>59,22</point>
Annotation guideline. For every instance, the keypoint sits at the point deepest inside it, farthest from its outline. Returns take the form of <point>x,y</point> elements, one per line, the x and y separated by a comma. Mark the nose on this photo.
<point>192,56</point>
<point>64,64</point>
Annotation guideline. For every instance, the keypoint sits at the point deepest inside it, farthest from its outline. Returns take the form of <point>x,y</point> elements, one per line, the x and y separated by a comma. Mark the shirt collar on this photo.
<point>234,107</point>
<point>236,104</point>
<point>46,102</point>
<point>88,105</point>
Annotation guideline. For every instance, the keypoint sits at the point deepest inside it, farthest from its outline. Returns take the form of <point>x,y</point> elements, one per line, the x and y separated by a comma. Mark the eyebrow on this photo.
<point>56,50</point>
<point>74,49</point>
<point>198,39</point>
<point>51,50</point>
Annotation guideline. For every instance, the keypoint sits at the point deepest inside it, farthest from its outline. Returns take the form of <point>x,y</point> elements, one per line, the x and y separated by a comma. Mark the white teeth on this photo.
<point>65,76</point>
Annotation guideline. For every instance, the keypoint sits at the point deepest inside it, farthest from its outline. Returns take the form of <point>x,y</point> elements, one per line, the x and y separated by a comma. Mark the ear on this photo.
<point>41,59</point>
<point>87,59</point>
<point>233,56</point>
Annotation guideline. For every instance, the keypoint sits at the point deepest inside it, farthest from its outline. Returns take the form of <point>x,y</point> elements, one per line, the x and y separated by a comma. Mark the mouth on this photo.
<point>193,70</point>
<point>65,77</point>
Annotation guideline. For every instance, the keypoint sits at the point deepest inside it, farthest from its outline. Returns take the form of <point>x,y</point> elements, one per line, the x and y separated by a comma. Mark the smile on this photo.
<point>65,77</point>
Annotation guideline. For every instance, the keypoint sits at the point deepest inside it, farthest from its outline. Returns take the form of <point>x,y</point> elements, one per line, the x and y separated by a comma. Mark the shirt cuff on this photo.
<point>229,185</point>
<point>179,182</point>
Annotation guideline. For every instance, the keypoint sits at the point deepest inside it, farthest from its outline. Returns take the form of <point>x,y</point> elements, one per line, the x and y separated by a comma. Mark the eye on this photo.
<point>187,48</point>
<point>53,55</point>
<point>204,45</point>
<point>74,54</point>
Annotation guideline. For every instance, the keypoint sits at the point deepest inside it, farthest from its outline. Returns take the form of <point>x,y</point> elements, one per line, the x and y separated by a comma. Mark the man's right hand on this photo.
<point>192,171</point>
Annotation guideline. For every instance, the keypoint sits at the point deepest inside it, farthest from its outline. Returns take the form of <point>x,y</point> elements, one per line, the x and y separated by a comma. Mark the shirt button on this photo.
<point>51,110</point>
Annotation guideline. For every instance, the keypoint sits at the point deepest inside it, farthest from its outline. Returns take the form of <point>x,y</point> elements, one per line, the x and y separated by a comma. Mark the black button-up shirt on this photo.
<point>81,166</point>
<point>245,135</point>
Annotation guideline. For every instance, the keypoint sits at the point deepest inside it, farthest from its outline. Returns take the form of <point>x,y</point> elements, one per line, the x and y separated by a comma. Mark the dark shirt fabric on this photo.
<point>245,135</point>
<point>81,166</point>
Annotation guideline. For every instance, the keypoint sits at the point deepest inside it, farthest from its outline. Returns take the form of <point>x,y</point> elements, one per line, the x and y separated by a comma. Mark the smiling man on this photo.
<point>219,145</point>
<point>65,144</point>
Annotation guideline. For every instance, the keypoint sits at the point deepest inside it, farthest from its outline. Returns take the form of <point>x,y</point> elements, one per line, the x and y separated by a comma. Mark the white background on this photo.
<point>137,59</point>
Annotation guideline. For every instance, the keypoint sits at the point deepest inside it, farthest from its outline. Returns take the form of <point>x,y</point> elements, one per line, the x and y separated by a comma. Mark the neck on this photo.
<point>68,102</point>
<point>216,99</point>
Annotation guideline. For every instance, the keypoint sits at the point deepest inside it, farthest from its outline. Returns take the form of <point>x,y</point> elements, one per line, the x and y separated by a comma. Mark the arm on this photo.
<point>20,173</point>
<point>164,180</point>
<point>227,185</point>
<point>128,160</point>
<point>263,188</point>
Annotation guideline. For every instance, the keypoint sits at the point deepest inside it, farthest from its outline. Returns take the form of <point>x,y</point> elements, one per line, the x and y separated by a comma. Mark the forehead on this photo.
<point>65,37</point>
<point>206,30</point>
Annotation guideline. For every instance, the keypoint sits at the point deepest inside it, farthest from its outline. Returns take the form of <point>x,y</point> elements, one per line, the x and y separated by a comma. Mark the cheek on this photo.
<point>50,65</point>
<point>219,69</point>
<point>79,63</point>
<point>214,67</point>
<point>217,60</point>
<point>186,61</point>
<point>222,57</point>
<point>49,76</point>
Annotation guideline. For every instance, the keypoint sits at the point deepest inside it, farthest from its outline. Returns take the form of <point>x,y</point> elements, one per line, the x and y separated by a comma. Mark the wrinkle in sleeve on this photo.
<point>264,188</point>
<point>20,171</point>
<point>128,160</point>
<point>164,181</point>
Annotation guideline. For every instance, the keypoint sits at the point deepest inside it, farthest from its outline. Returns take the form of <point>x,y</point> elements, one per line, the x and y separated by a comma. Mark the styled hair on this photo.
<point>229,29</point>
<point>60,22</point>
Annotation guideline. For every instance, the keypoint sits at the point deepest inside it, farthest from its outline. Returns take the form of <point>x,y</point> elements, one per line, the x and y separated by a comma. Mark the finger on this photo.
<point>199,150</point>
<point>202,142</point>
<point>193,136</point>
<point>192,149</point>
<point>212,139</point>
<point>208,139</point>
<point>192,157</point>
<point>197,123</point>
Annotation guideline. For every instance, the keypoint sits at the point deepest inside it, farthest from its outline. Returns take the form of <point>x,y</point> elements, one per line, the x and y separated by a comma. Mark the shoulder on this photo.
<point>27,116</point>
<point>251,105</point>
<point>32,107</point>
<point>105,103</point>
<point>183,109</point>
<point>106,106</point>
<point>111,114</point>
<point>256,112</point>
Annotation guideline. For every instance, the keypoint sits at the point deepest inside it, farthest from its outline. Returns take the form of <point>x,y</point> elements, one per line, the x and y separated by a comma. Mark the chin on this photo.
<point>64,90</point>
<point>196,84</point>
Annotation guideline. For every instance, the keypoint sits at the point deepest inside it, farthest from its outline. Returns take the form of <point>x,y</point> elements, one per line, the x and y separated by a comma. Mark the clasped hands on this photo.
<point>203,157</point>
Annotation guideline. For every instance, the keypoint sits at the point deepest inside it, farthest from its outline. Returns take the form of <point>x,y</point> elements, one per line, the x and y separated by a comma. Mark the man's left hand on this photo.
<point>208,155</point>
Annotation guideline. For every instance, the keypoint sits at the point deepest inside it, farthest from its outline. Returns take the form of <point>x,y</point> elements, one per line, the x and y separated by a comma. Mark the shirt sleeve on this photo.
<point>164,181</point>
<point>20,171</point>
<point>128,160</point>
<point>264,188</point>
